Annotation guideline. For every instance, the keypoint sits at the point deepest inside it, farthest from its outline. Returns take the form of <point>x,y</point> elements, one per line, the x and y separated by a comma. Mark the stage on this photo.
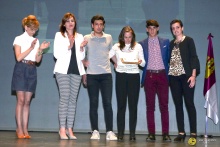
<point>51,139</point>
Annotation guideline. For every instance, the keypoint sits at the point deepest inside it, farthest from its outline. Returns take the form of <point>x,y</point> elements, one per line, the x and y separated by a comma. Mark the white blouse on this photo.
<point>130,54</point>
<point>24,41</point>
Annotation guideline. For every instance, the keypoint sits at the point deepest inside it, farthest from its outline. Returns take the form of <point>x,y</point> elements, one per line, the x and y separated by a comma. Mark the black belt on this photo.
<point>156,71</point>
<point>28,62</point>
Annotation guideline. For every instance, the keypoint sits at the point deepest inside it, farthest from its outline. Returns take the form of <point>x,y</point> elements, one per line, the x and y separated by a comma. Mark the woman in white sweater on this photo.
<point>69,53</point>
<point>127,55</point>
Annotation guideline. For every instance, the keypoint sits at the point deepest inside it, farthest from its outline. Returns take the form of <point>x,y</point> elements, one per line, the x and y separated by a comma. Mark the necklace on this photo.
<point>177,41</point>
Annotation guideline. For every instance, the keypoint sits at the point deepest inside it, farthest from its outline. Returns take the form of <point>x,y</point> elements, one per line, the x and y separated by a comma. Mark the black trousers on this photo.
<point>102,83</point>
<point>127,88</point>
<point>181,91</point>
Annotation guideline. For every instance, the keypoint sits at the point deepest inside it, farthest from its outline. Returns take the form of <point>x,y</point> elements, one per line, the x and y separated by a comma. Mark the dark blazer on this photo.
<point>165,53</point>
<point>188,54</point>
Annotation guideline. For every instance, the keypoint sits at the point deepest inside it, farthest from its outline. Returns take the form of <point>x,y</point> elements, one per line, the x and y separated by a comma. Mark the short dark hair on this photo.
<point>152,22</point>
<point>97,17</point>
<point>176,21</point>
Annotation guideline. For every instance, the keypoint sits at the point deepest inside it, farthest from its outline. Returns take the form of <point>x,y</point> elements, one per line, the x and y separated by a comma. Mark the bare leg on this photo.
<point>26,111</point>
<point>19,111</point>
<point>70,130</point>
<point>62,133</point>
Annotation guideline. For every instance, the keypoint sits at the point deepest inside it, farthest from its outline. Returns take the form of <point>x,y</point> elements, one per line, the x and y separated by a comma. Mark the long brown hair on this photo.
<point>64,20</point>
<point>121,37</point>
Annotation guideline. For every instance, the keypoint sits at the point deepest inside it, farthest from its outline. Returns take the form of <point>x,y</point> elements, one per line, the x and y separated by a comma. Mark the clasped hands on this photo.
<point>44,44</point>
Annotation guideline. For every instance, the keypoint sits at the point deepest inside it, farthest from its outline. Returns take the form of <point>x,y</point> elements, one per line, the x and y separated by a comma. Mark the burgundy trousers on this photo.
<point>157,84</point>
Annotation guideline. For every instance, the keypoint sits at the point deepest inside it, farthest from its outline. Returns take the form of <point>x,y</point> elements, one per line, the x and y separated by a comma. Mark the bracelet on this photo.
<point>40,53</point>
<point>193,76</point>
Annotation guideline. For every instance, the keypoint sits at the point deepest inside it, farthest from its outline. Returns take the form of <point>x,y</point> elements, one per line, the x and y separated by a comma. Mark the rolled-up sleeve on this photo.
<point>141,55</point>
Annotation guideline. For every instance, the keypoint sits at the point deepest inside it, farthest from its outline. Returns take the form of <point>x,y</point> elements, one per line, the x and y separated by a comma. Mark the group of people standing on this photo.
<point>88,59</point>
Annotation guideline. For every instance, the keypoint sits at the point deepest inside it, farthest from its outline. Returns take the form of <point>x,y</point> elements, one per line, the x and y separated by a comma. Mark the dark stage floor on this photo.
<point>51,139</point>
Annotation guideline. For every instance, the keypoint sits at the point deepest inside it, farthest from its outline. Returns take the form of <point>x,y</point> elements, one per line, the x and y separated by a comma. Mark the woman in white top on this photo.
<point>27,53</point>
<point>69,53</point>
<point>127,55</point>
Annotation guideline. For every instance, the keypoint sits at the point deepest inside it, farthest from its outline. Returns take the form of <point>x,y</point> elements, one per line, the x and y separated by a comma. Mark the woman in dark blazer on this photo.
<point>184,67</point>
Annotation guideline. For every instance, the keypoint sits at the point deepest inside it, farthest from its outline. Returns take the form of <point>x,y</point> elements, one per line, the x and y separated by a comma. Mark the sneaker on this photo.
<point>95,135</point>
<point>111,136</point>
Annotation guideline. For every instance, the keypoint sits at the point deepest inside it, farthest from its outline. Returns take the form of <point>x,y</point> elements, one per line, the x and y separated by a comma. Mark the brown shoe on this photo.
<point>166,137</point>
<point>151,137</point>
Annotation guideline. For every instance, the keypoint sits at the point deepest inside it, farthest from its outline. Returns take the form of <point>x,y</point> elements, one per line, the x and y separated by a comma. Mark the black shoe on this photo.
<point>180,137</point>
<point>132,138</point>
<point>166,137</point>
<point>151,137</point>
<point>120,138</point>
<point>193,135</point>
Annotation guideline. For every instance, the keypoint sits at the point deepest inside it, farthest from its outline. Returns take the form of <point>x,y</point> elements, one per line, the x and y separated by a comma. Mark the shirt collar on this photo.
<point>153,38</point>
<point>93,36</point>
<point>27,36</point>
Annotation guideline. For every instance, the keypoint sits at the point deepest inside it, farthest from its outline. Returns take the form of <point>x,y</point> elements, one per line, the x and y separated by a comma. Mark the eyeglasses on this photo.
<point>33,29</point>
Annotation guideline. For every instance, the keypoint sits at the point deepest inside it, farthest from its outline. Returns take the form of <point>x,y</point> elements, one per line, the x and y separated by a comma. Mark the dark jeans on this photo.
<point>157,83</point>
<point>180,89</point>
<point>102,82</point>
<point>127,88</point>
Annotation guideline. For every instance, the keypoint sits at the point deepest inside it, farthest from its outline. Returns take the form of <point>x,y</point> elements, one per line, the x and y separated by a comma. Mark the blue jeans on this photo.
<point>102,82</point>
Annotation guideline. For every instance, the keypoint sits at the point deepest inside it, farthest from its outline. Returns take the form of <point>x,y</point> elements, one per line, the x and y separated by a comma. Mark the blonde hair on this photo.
<point>30,21</point>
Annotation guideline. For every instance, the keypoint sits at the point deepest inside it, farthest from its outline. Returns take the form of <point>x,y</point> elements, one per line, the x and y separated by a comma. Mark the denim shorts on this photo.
<point>24,77</point>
